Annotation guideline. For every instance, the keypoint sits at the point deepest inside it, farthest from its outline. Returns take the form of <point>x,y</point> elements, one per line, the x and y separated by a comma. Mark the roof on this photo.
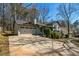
<point>53,22</point>
<point>60,23</point>
<point>21,21</point>
<point>43,25</point>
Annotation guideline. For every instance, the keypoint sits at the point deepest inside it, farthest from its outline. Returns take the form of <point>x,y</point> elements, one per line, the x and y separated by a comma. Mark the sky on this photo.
<point>53,10</point>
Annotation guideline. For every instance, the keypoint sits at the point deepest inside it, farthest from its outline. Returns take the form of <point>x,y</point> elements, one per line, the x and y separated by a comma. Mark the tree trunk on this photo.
<point>3,18</point>
<point>14,20</point>
<point>69,23</point>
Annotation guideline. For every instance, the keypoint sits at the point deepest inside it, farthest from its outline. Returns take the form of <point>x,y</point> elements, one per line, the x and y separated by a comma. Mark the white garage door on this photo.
<point>24,31</point>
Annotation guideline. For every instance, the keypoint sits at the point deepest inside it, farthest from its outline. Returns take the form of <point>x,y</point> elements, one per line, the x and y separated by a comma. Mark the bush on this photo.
<point>47,32</point>
<point>41,29</point>
<point>55,35</point>
<point>66,36</point>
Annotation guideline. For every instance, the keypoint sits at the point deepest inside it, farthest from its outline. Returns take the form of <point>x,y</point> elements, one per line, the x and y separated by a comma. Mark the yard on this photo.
<point>54,26</point>
<point>4,46</point>
<point>31,45</point>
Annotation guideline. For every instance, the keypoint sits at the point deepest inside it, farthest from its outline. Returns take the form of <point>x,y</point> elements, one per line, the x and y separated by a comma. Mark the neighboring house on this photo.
<point>76,28</point>
<point>56,26</point>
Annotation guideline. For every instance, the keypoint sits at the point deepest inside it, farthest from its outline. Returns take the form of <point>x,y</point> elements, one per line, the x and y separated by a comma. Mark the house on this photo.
<point>59,27</point>
<point>23,27</point>
<point>76,32</point>
<point>54,25</point>
<point>76,28</point>
<point>27,27</point>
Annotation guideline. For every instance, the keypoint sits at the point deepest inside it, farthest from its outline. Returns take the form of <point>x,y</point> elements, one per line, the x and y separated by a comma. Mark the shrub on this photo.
<point>41,29</point>
<point>47,32</point>
<point>55,35</point>
<point>66,36</point>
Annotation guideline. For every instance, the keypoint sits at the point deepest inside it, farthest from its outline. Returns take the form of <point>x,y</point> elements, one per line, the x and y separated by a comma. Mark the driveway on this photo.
<point>30,45</point>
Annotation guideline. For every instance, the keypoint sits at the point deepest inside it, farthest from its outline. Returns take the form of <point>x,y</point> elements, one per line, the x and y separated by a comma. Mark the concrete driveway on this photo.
<point>30,45</point>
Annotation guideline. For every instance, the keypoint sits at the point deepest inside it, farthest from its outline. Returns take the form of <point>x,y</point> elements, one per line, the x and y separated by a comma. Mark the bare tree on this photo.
<point>18,12</point>
<point>3,18</point>
<point>66,11</point>
<point>44,14</point>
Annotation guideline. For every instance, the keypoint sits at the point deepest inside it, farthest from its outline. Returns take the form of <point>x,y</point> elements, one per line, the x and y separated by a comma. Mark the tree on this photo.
<point>32,13</point>
<point>10,12</point>
<point>19,11</point>
<point>1,14</point>
<point>3,18</point>
<point>44,14</point>
<point>66,11</point>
